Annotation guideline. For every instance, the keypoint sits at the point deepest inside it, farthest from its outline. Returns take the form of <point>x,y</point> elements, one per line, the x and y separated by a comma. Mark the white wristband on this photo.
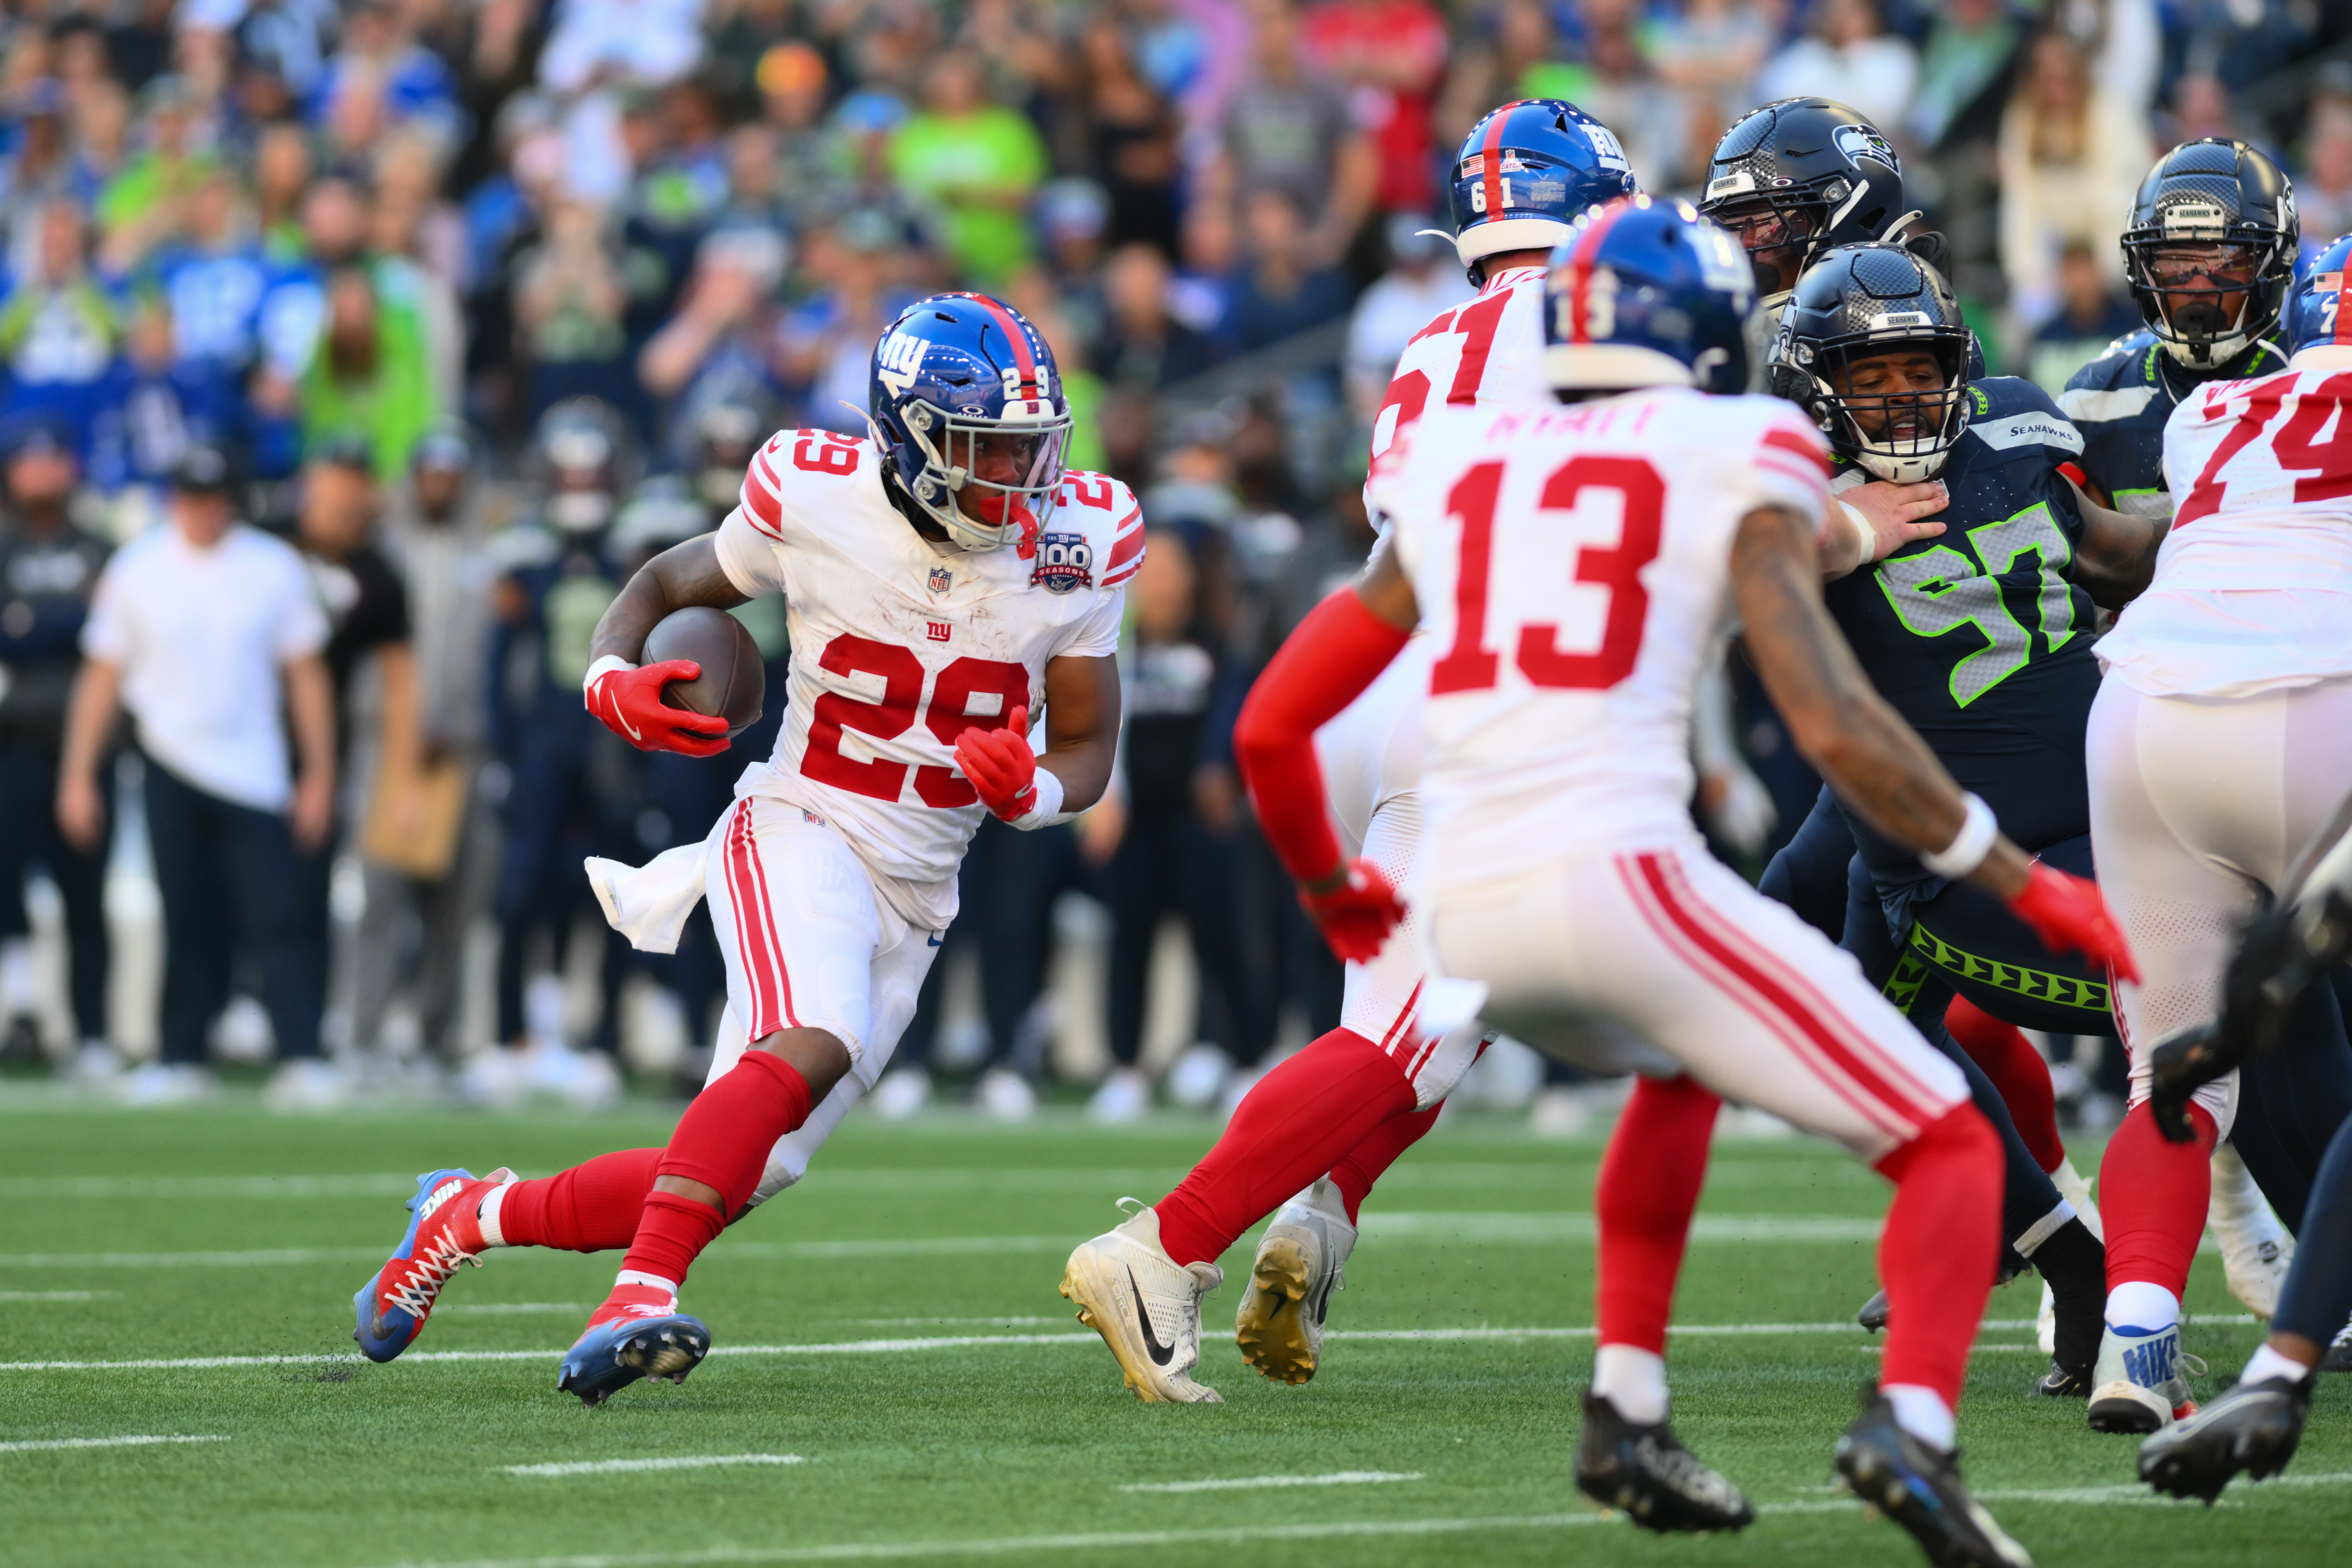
<point>1047,811</point>
<point>603,667</point>
<point>1863,531</point>
<point>1968,847</point>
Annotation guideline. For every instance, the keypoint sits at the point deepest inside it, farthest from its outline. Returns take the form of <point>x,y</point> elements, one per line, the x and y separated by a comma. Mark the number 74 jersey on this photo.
<point>1572,566</point>
<point>900,646</point>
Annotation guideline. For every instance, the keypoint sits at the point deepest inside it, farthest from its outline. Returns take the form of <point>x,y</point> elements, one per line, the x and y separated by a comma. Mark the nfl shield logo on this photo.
<point>941,579</point>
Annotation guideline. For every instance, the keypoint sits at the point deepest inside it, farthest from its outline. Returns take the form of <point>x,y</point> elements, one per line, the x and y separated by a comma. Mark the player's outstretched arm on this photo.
<point>1874,761</point>
<point>1336,652</point>
<point>2115,559</point>
<point>627,698</point>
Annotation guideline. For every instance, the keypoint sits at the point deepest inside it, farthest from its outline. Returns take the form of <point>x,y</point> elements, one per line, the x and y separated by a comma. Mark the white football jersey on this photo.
<point>1489,351</point>
<point>2254,584</point>
<point>1572,566</point>
<point>900,645</point>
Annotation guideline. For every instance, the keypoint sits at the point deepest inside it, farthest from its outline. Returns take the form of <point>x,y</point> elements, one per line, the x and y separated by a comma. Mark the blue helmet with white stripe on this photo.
<point>968,410</point>
<point>2314,315</point>
<point>1646,292</point>
<point>1525,172</point>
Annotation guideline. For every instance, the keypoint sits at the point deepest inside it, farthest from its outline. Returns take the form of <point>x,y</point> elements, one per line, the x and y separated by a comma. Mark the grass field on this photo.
<point>892,1325</point>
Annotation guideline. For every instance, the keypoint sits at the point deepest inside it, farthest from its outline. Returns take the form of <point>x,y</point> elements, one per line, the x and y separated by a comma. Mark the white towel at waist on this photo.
<point>648,904</point>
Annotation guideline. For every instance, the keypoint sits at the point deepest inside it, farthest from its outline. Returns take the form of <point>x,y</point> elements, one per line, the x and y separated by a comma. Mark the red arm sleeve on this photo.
<point>1338,651</point>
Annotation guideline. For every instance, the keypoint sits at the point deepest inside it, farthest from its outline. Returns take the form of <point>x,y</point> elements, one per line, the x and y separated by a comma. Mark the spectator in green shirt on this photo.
<point>979,161</point>
<point>369,376</point>
<point>140,207</point>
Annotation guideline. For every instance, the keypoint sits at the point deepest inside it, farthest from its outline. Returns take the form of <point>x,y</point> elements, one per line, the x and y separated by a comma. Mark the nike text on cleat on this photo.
<point>1646,1474</point>
<point>2253,1428</point>
<point>1920,1490</point>
<point>1872,1315</point>
<point>2136,1384</point>
<point>1300,1261</point>
<point>442,1236</point>
<point>662,1347</point>
<point>1147,1308</point>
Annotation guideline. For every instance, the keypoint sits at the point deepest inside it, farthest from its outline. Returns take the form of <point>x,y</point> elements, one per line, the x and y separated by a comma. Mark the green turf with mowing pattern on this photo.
<point>346,1465</point>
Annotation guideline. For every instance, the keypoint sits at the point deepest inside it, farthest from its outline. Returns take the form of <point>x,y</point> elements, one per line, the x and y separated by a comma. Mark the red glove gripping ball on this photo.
<point>628,702</point>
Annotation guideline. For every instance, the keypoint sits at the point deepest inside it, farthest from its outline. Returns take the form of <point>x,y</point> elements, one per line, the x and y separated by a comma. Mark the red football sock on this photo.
<point>1300,1121</point>
<point>1650,1178</point>
<point>2152,1194</point>
<point>1937,1252</point>
<point>589,1208</point>
<point>2017,1071</point>
<point>722,1141</point>
<point>1361,1166</point>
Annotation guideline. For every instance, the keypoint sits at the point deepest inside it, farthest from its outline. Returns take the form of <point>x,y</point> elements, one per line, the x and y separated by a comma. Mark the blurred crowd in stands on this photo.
<point>478,303</point>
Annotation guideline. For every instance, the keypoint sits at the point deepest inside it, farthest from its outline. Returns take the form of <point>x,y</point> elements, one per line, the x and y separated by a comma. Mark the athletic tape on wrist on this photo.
<point>1048,809</point>
<point>1867,534</point>
<point>1968,847</point>
<point>603,667</point>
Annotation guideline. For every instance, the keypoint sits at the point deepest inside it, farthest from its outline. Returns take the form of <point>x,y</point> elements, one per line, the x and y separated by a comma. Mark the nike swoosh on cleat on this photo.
<point>1161,1355</point>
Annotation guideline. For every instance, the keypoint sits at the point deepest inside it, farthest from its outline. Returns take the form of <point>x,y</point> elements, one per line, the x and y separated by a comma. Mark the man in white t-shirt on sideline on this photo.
<point>207,631</point>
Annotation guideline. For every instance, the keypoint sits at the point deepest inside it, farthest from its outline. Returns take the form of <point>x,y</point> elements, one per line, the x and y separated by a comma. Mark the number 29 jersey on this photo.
<point>1572,566</point>
<point>899,645</point>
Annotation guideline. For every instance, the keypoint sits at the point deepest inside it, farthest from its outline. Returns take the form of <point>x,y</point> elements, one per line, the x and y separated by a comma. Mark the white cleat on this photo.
<point>1147,1308</point>
<point>2136,1384</point>
<point>2255,1247</point>
<point>1301,1259</point>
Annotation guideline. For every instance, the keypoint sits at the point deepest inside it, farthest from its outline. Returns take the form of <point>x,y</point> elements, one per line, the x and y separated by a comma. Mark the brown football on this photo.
<point>733,683</point>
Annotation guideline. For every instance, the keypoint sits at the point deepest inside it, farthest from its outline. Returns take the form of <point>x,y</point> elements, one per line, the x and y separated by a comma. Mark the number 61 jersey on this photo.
<point>900,646</point>
<point>1572,566</point>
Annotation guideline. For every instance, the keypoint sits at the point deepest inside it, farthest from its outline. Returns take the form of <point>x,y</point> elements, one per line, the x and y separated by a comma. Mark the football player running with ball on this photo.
<point>1327,1123</point>
<point>1570,567</point>
<point>945,579</point>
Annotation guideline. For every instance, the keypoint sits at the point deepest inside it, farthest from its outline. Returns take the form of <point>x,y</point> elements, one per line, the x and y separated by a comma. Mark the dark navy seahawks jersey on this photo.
<point>1976,636</point>
<point>2120,401</point>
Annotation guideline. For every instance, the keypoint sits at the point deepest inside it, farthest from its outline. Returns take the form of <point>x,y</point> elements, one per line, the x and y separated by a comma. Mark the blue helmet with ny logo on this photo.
<point>1646,292</point>
<point>969,411</point>
<point>1525,172</point>
<point>2318,329</point>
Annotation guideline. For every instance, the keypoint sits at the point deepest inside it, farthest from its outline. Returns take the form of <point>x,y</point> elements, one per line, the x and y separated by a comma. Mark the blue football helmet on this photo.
<point>2316,318</point>
<point>1525,173</point>
<point>1646,292</point>
<point>968,410</point>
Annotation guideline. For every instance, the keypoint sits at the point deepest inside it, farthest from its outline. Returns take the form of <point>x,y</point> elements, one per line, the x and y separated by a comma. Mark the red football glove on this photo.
<point>628,702</point>
<point>1358,915</point>
<point>2067,913</point>
<point>1001,766</point>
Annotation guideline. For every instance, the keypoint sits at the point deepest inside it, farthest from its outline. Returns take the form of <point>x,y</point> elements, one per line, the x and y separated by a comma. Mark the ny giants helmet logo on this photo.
<point>1860,141</point>
<point>1065,561</point>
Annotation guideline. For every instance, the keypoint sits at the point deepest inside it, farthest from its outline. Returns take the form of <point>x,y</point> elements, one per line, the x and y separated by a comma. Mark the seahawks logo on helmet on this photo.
<point>1858,142</point>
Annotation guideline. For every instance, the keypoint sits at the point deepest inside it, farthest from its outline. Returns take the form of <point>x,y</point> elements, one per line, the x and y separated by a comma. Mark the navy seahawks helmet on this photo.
<point>1801,176</point>
<point>963,384</point>
<point>1858,302</point>
<point>2315,311</point>
<point>2208,208</point>
<point>1523,175</point>
<point>1646,292</point>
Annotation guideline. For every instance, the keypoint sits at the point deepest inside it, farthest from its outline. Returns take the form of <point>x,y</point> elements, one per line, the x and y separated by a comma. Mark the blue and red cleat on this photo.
<point>443,1233</point>
<point>637,1332</point>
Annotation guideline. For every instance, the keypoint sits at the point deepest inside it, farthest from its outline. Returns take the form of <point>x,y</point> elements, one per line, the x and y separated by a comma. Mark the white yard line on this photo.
<point>54,1295</point>
<point>47,1444</point>
<point>962,1341</point>
<point>613,1466</point>
<point>1252,1483</point>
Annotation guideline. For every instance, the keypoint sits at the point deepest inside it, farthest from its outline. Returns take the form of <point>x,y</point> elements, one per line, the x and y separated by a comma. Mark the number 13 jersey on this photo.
<point>1572,566</point>
<point>899,645</point>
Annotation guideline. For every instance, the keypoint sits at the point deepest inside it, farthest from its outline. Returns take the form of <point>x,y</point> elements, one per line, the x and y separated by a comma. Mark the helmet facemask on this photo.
<point>1778,230</point>
<point>989,482</point>
<point>1897,406</point>
<point>2207,301</point>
